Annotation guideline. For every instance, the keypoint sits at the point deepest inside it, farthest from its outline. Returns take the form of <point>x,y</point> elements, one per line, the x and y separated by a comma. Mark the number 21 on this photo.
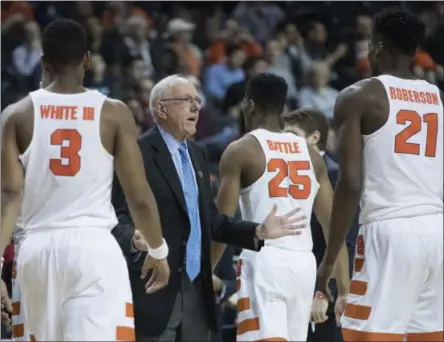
<point>401,144</point>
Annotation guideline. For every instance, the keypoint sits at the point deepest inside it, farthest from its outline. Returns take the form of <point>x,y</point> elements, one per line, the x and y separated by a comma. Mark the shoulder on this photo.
<point>317,161</point>
<point>17,111</point>
<point>354,99</point>
<point>239,152</point>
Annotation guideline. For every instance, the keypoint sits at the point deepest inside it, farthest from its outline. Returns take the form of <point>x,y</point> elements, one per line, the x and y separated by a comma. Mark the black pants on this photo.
<point>188,321</point>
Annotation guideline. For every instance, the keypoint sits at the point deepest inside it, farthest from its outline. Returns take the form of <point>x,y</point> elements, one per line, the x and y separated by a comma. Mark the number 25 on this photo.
<point>401,144</point>
<point>290,170</point>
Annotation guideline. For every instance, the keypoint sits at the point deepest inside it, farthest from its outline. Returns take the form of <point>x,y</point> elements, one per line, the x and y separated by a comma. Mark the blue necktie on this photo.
<point>193,250</point>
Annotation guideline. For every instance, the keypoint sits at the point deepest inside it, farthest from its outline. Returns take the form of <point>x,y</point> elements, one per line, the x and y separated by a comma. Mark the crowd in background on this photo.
<point>317,47</point>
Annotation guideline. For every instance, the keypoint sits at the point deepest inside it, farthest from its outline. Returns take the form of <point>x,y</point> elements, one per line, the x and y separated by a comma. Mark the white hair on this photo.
<point>160,89</point>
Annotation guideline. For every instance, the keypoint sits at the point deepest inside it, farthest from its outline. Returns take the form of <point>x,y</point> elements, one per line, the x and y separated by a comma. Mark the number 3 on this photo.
<point>289,169</point>
<point>401,144</point>
<point>70,152</point>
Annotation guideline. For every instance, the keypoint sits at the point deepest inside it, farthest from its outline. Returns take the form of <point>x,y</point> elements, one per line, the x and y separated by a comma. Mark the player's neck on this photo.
<point>269,124</point>
<point>67,83</point>
<point>400,68</point>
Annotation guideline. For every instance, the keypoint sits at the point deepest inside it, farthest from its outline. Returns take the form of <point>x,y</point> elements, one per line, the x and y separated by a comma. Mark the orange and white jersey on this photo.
<point>403,160</point>
<point>289,181</point>
<point>68,172</point>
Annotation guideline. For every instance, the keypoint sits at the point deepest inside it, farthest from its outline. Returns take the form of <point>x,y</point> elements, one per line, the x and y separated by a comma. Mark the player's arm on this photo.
<point>230,168</point>
<point>347,114</point>
<point>12,177</point>
<point>129,169</point>
<point>322,208</point>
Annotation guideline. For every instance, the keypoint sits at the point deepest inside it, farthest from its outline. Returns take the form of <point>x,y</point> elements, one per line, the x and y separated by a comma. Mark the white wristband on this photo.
<point>159,252</point>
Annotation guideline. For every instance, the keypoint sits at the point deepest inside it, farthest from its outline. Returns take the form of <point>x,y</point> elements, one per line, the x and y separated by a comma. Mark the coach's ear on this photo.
<point>87,60</point>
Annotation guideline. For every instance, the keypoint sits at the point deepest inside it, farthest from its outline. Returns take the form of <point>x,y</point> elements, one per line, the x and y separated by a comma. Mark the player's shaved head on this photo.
<point>399,29</point>
<point>64,44</point>
<point>268,93</point>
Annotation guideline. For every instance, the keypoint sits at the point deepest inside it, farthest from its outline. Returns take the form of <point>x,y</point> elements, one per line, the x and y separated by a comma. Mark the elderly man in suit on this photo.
<point>312,125</point>
<point>177,170</point>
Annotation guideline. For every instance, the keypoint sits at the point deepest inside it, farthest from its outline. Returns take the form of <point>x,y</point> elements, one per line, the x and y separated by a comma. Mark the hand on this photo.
<point>139,241</point>
<point>319,308</point>
<point>341,50</point>
<point>217,283</point>
<point>6,308</point>
<point>339,308</point>
<point>323,277</point>
<point>159,276</point>
<point>278,226</point>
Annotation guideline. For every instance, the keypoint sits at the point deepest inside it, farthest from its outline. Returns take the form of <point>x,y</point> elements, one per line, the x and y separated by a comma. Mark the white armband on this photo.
<point>159,252</point>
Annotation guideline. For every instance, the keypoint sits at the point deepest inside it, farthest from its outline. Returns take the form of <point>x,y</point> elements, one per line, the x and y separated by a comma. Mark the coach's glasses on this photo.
<point>185,100</point>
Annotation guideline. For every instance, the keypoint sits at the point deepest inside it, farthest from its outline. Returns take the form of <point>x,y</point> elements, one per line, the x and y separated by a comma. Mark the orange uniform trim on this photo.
<point>15,308</point>
<point>238,285</point>
<point>359,264</point>
<point>277,339</point>
<point>243,304</point>
<point>129,312</point>
<point>432,336</point>
<point>361,312</point>
<point>125,334</point>
<point>18,330</point>
<point>247,326</point>
<point>358,287</point>
<point>32,338</point>
<point>350,335</point>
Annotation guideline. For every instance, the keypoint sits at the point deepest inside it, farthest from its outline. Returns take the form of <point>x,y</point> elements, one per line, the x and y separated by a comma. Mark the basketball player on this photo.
<point>60,145</point>
<point>267,168</point>
<point>392,125</point>
<point>19,325</point>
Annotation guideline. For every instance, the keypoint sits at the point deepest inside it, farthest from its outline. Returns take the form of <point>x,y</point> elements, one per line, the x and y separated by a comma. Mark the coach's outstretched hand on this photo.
<point>159,276</point>
<point>292,223</point>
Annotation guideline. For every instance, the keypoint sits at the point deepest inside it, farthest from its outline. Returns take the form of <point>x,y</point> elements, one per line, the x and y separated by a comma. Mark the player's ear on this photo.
<point>315,137</point>
<point>250,105</point>
<point>379,48</point>
<point>87,60</point>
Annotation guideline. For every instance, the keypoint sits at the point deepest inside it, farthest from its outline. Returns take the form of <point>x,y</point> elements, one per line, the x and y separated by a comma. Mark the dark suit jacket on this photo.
<point>152,311</point>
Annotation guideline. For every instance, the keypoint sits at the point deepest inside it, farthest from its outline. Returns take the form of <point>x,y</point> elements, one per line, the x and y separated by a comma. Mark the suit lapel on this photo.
<point>164,161</point>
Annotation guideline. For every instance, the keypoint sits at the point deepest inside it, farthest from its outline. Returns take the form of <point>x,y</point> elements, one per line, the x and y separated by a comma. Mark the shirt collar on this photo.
<point>172,144</point>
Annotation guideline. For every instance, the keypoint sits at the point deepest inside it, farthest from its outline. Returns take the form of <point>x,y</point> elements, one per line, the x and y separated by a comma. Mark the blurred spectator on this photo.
<point>117,12</point>
<point>424,67</point>
<point>14,12</point>
<point>97,79</point>
<point>280,65</point>
<point>315,47</point>
<point>236,92</point>
<point>134,70</point>
<point>81,11</point>
<point>363,32</point>
<point>232,34</point>
<point>260,18</point>
<point>180,33</point>
<point>289,36</point>
<point>318,94</point>
<point>136,41</point>
<point>219,77</point>
<point>26,57</point>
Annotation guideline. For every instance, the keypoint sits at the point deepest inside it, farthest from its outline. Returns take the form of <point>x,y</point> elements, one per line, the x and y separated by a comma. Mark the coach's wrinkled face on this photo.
<point>179,110</point>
